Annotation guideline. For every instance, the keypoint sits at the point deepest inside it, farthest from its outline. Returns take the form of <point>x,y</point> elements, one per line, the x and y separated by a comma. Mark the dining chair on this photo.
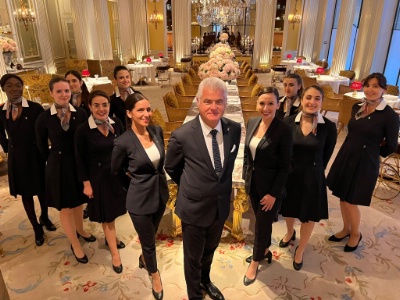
<point>250,91</point>
<point>343,89</point>
<point>107,67</point>
<point>176,114</point>
<point>247,114</point>
<point>248,106</point>
<point>181,90</point>
<point>252,81</point>
<point>76,64</point>
<point>350,74</point>
<point>322,63</point>
<point>308,81</point>
<point>345,107</point>
<point>392,90</point>
<point>331,100</point>
<point>300,72</point>
<point>163,75</point>
<point>108,88</point>
<point>171,100</point>
<point>167,127</point>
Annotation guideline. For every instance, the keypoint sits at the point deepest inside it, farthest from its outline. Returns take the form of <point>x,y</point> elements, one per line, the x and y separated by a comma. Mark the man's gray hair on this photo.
<point>214,84</point>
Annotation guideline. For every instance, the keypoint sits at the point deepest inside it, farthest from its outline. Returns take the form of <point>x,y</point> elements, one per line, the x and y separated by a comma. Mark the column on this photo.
<point>181,15</point>
<point>343,35</point>
<point>308,28</point>
<point>103,29</point>
<point>140,33</point>
<point>44,37</point>
<point>264,32</point>
<point>367,42</point>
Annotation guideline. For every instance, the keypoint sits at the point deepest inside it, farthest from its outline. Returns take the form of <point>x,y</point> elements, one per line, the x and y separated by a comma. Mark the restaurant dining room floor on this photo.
<point>52,272</point>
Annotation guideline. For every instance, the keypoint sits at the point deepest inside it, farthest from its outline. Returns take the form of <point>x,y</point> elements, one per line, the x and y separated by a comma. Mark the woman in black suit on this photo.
<point>57,125</point>
<point>25,166</point>
<point>140,150</point>
<point>94,141</point>
<point>268,150</point>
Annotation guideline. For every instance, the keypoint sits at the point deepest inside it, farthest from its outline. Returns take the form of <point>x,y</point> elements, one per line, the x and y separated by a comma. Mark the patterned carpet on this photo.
<point>51,271</point>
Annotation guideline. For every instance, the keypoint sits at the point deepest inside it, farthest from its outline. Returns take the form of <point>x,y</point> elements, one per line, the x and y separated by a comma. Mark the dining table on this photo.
<point>290,63</point>
<point>391,100</point>
<point>333,81</point>
<point>233,111</point>
<point>155,62</point>
<point>141,70</point>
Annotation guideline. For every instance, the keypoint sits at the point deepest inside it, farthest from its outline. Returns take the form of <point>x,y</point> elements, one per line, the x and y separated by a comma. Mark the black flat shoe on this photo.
<point>39,236</point>
<point>348,248</point>
<point>212,291</point>
<point>283,244</point>
<point>118,269</point>
<point>120,245</point>
<point>247,281</point>
<point>82,260</point>
<point>267,256</point>
<point>89,239</point>
<point>47,223</point>
<point>157,295</point>
<point>297,266</point>
<point>333,238</point>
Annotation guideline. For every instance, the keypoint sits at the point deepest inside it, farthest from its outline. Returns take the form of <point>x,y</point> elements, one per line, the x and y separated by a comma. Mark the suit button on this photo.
<point>364,146</point>
<point>59,152</point>
<point>99,164</point>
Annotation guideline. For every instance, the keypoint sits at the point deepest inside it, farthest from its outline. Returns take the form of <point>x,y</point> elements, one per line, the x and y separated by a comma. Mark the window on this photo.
<point>392,67</point>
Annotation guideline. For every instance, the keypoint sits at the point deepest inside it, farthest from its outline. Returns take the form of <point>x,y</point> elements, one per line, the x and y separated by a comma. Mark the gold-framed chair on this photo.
<point>343,89</point>
<point>187,82</point>
<point>107,67</point>
<point>76,64</point>
<point>180,90</point>
<point>167,127</point>
<point>94,67</point>
<point>249,100</point>
<point>108,88</point>
<point>173,101</point>
<point>163,75</point>
<point>322,63</point>
<point>247,114</point>
<point>248,106</point>
<point>331,100</point>
<point>175,114</point>
<point>252,81</point>
<point>345,107</point>
<point>392,90</point>
<point>350,74</point>
<point>300,72</point>
<point>308,81</point>
<point>245,78</point>
<point>250,91</point>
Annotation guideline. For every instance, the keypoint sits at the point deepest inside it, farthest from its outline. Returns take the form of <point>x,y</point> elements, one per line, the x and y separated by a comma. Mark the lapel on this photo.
<point>201,144</point>
<point>268,133</point>
<point>156,140</point>
<point>140,147</point>
<point>251,128</point>
<point>227,138</point>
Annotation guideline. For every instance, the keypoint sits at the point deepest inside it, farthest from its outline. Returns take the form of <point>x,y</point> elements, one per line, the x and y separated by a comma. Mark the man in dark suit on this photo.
<point>200,159</point>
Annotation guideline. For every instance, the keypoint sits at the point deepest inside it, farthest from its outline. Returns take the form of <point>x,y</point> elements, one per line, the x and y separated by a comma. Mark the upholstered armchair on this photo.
<point>392,90</point>
<point>76,64</point>
<point>252,81</point>
<point>345,107</point>
<point>180,90</point>
<point>307,81</point>
<point>250,91</point>
<point>167,127</point>
<point>107,67</point>
<point>348,73</point>
<point>331,100</point>
<point>177,102</point>
<point>108,88</point>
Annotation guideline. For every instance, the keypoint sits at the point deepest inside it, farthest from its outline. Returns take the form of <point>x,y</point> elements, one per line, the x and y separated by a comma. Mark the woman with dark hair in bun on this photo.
<point>267,154</point>
<point>25,166</point>
<point>372,132</point>
<point>94,141</point>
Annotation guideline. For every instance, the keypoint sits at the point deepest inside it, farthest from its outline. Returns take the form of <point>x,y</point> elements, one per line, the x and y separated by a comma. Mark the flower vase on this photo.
<point>7,58</point>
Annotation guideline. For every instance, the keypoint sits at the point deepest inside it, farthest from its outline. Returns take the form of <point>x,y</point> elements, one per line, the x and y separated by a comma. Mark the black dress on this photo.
<point>63,189</point>
<point>353,174</point>
<point>25,165</point>
<point>93,157</point>
<point>306,189</point>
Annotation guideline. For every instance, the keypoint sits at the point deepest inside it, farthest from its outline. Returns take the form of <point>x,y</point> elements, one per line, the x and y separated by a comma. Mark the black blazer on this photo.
<point>148,184</point>
<point>271,167</point>
<point>202,196</point>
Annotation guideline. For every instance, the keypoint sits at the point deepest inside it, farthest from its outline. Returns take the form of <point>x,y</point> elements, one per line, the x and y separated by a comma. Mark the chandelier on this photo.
<point>295,17</point>
<point>219,12</point>
<point>24,15</point>
<point>155,17</point>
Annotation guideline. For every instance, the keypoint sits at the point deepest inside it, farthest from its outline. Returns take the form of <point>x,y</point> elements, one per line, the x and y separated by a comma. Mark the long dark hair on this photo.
<point>269,90</point>
<point>85,91</point>
<point>130,104</point>
<point>379,76</point>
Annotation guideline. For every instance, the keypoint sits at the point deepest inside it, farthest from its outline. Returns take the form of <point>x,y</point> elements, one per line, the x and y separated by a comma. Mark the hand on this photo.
<point>87,189</point>
<point>267,202</point>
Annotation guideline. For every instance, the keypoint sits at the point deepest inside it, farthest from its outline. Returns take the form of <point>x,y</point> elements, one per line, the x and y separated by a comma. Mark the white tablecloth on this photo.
<point>142,70</point>
<point>334,82</point>
<point>390,100</point>
<point>155,62</point>
<point>308,67</point>
<point>90,82</point>
<point>289,63</point>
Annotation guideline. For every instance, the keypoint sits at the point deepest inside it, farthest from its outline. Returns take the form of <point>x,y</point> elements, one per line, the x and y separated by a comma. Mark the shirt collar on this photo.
<point>320,118</point>
<point>93,125</point>
<point>53,109</point>
<point>380,106</point>
<point>24,103</point>
<point>117,94</point>
<point>296,103</point>
<point>206,129</point>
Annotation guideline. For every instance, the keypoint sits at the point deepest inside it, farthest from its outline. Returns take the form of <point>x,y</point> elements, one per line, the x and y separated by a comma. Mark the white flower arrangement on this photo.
<point>7,44</point>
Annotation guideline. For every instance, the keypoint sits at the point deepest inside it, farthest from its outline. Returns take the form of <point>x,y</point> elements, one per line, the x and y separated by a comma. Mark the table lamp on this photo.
<point>320,71</point>
<point>299,61</point>
<point>148,60</point>
<point>355,85</point>
<point>289,56</point>
<point>85,73</point>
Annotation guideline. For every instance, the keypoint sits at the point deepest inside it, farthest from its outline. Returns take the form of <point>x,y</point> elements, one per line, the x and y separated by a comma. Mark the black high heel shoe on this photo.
<point>157,295</point>
<point>47,223</point>
<point>283,244</point>
<point>348,248</point>
<point>82,260</point>
<point>117,269</point>
<point>247,281</point>
<point>334,238</point>
<point>267,256</point>
<point>89,239</point>
<point>297,266</point>
<point>39,236</point>
<point>120,244</point>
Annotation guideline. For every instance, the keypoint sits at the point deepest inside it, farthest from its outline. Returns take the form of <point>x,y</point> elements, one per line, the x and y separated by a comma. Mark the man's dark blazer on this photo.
<point>148,184</point>
<point>271,166</point>
<point>202,196</point>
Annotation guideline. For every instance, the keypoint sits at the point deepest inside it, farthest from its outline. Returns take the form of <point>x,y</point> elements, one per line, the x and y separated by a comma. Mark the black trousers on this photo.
<point>263,227</point>
<point>146,226</point>
<point>199,244</point>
